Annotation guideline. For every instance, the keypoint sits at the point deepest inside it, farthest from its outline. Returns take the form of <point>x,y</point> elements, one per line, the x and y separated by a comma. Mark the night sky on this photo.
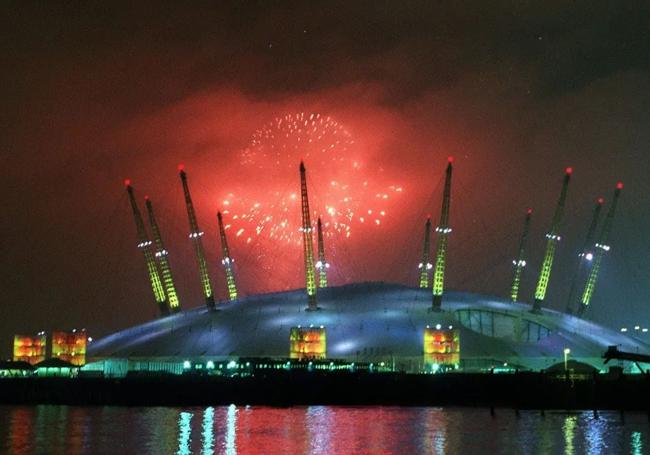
<point>516,91</point>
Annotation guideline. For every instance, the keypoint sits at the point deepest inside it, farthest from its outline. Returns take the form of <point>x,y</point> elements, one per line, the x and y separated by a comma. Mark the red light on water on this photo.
<point>127,182</point>
<point>569,170</point>
<point>619,186</point>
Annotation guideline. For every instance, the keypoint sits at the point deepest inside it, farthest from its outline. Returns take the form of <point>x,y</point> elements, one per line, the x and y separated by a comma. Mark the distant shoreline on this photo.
<point>518,391</point>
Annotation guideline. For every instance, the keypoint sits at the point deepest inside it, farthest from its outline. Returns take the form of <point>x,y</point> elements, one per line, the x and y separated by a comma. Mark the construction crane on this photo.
<point>307,243</point>
<point>227,261</point>
<point>144,245</point>
<point>520,262</point>
<point>613,353</point>
<point>552,238</point>
<point>585,256</point>
<point>162,255</point>
<point>195,235</point>
<point>602,247</point>
<point>442,233</point>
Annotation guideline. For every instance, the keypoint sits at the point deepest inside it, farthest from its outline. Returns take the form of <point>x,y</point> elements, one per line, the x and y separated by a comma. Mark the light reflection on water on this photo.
<point>569,433</point>
<point>318,430</point>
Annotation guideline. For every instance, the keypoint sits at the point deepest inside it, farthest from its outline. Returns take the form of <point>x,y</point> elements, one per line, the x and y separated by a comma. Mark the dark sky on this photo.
<point>94,92</point>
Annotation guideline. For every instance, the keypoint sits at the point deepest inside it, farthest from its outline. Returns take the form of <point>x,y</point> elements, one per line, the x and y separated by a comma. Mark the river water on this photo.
<point>316,430</point>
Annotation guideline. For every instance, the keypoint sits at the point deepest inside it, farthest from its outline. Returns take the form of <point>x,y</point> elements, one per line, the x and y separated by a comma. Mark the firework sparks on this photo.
<point>343,190</point>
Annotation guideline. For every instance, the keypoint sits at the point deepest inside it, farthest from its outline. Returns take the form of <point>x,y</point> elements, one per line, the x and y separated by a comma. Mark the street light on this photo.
<point>567,351</point>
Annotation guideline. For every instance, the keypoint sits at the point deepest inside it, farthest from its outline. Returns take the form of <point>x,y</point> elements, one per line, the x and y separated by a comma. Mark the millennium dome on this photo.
<point>369,322</point>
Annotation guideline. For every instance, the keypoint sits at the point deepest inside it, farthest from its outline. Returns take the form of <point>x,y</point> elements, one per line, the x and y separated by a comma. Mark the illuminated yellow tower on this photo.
<point>162,255</point>
<point>552,238</point>
<point>144,244</point>
<point>227,261</point>
<point>307,244</point>
<point>425,265</point>
<point>442,231</point>
<point>322,264</point>
<point>195,236</point>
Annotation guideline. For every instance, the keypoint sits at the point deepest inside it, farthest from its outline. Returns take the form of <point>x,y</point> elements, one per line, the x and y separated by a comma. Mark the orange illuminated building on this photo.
<point>307,343</point>
<point>30,349</point>
<point>70,346</point>
<point>441,346</point>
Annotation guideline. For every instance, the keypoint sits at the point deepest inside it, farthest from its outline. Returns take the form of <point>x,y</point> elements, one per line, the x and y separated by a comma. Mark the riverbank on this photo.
<point>520,391</point>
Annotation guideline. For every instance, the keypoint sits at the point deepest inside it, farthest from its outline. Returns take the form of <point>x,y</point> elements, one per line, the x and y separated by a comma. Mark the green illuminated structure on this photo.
<point>195,235</point>
<point>586,255</point>
<point>520,262</point>
<point>552,238</point>
<point>162,255</point>
<point>442,232</point>
<point>307,244</point>
<point>322,264</point>
<point>425,265</point>
<point>602,247</point>
<point>227,261</point>
<point>144,244</point>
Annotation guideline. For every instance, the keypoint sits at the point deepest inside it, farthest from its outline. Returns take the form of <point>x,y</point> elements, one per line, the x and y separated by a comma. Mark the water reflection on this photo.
<point>318,420</point>
<point>637,444</point>
<point>20,429</point>
<point>434,436</point>
<point>184,433</point>
<point>594,437</point>
<point>231,430</point>
<point>569,434</point>
<point>208,431</point>
<point>314,430</point>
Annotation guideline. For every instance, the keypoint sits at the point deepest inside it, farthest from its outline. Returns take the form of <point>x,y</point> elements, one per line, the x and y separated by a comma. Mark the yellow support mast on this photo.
<point>520,262</point>
<point>145,245</point>
<point>442,232</point>
<point>585,257</point>
<point>425,265</point>
<point>162,255</point>
<point>307,243</point>
<point>195,236</point>
<point>602,247</point>
<point>552,238</point>
<point>227,261</point>
<point>322,265</point>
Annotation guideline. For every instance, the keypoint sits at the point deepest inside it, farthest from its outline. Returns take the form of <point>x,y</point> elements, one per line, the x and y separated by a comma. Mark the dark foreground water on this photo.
<point>315,430</point>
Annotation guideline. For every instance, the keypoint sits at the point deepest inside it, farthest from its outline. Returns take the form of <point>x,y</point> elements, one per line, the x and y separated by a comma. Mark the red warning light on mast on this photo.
<point>601,200</point>
<point>181,167</point>
<point>529,211</point>
<point>569,170</point>
<point>619,186</point>
<point>127,182</point>
<point>450,159</point>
